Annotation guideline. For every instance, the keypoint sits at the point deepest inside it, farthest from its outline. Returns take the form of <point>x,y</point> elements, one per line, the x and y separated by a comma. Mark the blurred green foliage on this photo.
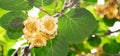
<point>74,33</point>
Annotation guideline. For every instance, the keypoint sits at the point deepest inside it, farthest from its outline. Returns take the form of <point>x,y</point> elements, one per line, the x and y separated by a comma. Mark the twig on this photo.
<point>16,52</point>
<point>44,11</point>
<point>99,50</point>
<point>68,4</point>
<point>106,33</point>
<point>27,50</point>
<point>77,3</point>
<point>64,8</point>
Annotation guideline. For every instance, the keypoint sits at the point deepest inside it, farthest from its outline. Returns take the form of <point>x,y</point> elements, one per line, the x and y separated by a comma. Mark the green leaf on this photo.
<point>50,8</point>
<point>91,1</point>
<point>10,52</point>
<point>2,12</point>
<point>102,28</point>
<point>7,44</point>
<point>40,3</point>
<point>94,41</point>
<point>76,25</point>
<point>109,22</point>
<point>0,54</point>
<point>56,47</point>
<point>16,23</point>
<point>111,48</point>
<point>71,53</point>
<point>108,39</point>
<point>12,22</point>
<point>15,5</point>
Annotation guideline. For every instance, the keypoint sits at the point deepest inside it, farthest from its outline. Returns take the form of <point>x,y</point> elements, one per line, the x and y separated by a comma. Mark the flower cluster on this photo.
<point>37,32</point>
<point>109,9</point>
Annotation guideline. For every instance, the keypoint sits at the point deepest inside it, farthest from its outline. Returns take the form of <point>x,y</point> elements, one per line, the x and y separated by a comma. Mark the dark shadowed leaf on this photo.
<point>10,52</point>
<point>71,53</point>
<point>16,23</point>
<point>109,22</point>
<point>94,41</point>
<point>12,22</point>
<point>111,48</point>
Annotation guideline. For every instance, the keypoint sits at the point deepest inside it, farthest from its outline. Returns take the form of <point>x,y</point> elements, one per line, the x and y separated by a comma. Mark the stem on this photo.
<point>99,50</point>
<point>106,33</point>
<point>44,11</point>
<point>16,52</point>
<point>61,12</point>
<point>68,4</point>
<point>27,50</point>
<point>55,6</point>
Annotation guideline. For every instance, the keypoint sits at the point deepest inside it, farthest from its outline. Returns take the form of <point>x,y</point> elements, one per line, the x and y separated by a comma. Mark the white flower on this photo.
<point>32,32</point>
<point>48,25</point>
<point>39,40</point>
<point>31,24</point>
<point>38,32</point>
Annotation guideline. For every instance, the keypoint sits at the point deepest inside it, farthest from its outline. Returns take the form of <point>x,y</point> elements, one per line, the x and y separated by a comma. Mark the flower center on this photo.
<point>49,24</point>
